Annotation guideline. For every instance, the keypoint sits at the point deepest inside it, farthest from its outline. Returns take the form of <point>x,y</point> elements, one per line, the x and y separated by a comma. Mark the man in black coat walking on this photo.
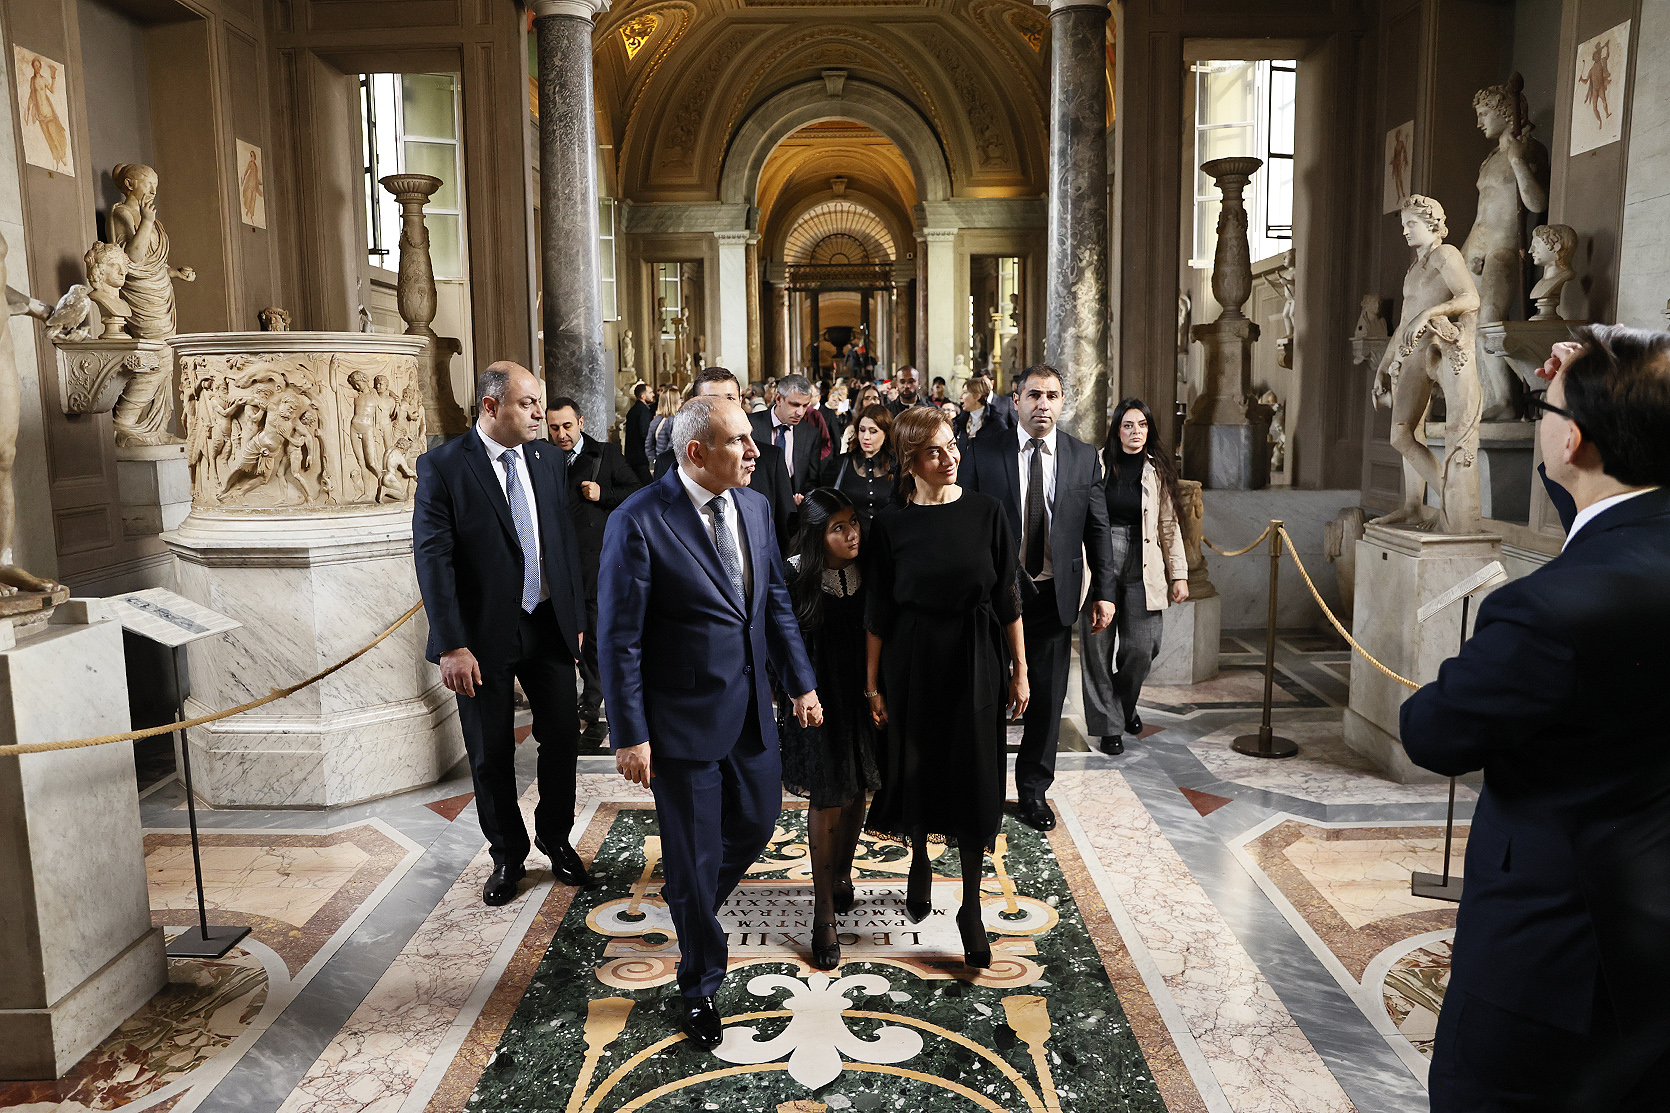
<point>1050,482</point>
<point>637,426</point>
<point>599,479</point>
<point>499,569</point>
<point>1557,996</point>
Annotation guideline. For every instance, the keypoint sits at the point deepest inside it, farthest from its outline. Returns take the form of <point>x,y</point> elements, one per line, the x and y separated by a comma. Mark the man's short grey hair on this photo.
<point>795,384</point>
<point>494,381</point>
<point>694,422</point>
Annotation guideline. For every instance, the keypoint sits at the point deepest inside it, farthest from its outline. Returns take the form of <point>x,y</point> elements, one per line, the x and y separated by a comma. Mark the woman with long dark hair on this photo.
<point>868,475</point>
<point>832,765</point>
<point>946,665</point>
<point>1143,509</point>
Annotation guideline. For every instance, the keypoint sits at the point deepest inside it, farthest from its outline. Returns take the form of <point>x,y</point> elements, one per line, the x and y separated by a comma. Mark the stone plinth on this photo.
<point>1228,457</point>
<point>80,953</point>
<point>310,590</point>
<point>1189,645</point>
<point>154,483</point>
<point>1223,446</point>
<point>1525,345</point>
<point>1506,471</point>
<point>93,373</point>
<point>302,447</point>
<point>1398,572</point>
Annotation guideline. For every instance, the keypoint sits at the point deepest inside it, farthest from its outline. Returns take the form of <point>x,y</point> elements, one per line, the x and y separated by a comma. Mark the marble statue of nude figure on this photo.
<point>1433,345</point>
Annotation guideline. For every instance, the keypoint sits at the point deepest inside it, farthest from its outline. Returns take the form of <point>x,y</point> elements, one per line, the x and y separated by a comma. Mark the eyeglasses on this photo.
<point>1537,404</point>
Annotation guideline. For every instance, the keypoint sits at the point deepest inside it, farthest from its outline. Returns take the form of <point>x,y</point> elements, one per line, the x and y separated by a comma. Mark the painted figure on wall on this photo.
<point>1600,67</point>
<point>1513,180</point>
<point>1434,346</point>
<point>1598,78</point>
<point>43,111</point>
<point>252,189</point>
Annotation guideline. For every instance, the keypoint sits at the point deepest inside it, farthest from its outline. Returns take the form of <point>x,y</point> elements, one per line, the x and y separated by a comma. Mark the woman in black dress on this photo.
<point>946,666</point>
<point>832,765</point>
<point>868,475</point>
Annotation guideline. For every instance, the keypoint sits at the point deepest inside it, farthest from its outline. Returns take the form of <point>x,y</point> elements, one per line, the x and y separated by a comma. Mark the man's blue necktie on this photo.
<point>523,517</point>
<point>781,439</point>
<point>726,544</point>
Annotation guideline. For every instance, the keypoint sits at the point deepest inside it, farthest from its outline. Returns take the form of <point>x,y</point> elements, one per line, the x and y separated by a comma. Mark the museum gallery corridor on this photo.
<point>1203,931</point>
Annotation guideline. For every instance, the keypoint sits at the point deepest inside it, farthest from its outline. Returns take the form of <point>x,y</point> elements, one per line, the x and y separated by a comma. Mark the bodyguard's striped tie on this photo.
<point>523,517</point>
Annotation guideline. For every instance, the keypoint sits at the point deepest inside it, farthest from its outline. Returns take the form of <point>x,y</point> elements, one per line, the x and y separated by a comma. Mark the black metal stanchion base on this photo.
<point>192,944</point>
<point>1434,887</point>
<point>1264,744</point>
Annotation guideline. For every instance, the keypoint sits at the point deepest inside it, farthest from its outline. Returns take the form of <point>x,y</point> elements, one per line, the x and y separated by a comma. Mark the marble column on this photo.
<point>941,302</point>
<point>1076,302</point>
<point>814,346</point>
<point>918,352</point>
<point>756,318</point>
<point>732,348</point>
<point>574,362</point>
<point>1223,446</point>
<point>785,340</point>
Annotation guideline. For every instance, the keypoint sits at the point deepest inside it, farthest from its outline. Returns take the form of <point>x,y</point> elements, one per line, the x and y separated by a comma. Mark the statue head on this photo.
<point>359,381</point>
<point>136,181</point>
<point>107,266</point>
<point>403,443</point>
<point>274,319</point>
<point>287,403</point>
<point>1502,108</point>
<point>1423,221</point>
<point>380,384</point>
<point>1552,245</point>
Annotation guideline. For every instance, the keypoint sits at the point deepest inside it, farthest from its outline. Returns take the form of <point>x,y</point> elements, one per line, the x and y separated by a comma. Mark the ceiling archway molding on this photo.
<point>781,115</point>
<point>791,206</point>
<point>839,217</point>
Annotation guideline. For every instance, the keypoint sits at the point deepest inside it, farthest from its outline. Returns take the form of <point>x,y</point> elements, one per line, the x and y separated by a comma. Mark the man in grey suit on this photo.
<point>1050,482</point>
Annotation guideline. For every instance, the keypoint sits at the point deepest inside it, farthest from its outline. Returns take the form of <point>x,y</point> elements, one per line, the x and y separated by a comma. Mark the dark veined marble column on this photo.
<point>573,303</point>
<point>1076,313</point>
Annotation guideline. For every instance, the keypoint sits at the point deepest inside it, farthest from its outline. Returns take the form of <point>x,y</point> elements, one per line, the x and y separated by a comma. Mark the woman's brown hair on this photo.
<point>913,428</point>
<point>883,418</point>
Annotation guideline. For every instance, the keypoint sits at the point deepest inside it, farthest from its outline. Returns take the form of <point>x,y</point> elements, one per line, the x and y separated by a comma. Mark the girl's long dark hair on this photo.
<point>806,581</point>
<point>1154,449</point>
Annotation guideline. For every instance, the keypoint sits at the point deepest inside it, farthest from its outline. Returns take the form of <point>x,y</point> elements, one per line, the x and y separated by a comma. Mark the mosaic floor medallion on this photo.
<point>901,1024</point>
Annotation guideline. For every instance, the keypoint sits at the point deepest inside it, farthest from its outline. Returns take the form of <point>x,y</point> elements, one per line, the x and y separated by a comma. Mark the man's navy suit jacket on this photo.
<point>680,660</point>
<point>469,561</point>
<point>1560,696</point>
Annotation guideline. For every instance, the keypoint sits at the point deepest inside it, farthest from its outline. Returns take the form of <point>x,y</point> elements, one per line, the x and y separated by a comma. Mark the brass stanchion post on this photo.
<point>1265,743</point>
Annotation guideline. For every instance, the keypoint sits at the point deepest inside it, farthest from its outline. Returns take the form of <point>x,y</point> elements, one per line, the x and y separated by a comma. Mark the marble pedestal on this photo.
<point>1228,457</point>
<point>1189,644</point>
<point>80,953</point>
<point>1505,467</point>
<point>154,484</point>
<point>310,589</point>
<point>1398,572</point>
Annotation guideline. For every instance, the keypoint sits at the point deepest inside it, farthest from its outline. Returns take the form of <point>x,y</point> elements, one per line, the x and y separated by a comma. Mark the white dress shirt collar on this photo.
<point>1026,438</point>
<point>1588,513</point>
<point>495,450</point>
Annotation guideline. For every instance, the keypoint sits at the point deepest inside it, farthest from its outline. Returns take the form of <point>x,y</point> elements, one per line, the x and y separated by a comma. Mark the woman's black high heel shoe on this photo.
<point>845,898</point>
<point>919,891</point>
<point>974,936</point>
<point>826,956</point>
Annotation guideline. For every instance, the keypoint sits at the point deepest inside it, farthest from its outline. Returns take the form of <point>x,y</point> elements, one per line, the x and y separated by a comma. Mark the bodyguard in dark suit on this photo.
<point>637,427</point>
<point>692,608</point>
<point>1559,997</point>
<point>1050,483</point>
<point>770,476</point>
<point>499,571</point>
<point>784,426</point>
<point>599,479</point>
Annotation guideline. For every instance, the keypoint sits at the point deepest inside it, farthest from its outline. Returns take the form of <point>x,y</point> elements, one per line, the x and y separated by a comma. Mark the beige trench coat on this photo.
<point>1163,558</point>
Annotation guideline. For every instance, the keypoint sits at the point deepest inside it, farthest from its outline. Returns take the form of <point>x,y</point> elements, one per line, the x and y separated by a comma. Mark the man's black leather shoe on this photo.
<point>699,1021</point>
<point>1036,814</point>
<point>501,886</point>
<point>566,865</point>
<point>1113,744</point>
<point>1133,725</point>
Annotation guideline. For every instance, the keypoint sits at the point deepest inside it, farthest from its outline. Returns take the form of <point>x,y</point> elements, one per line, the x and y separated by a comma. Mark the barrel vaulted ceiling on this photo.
<point>675,79</point>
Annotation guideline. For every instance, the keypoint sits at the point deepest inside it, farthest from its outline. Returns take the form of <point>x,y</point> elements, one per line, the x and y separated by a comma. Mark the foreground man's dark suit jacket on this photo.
<point>1561,696</point>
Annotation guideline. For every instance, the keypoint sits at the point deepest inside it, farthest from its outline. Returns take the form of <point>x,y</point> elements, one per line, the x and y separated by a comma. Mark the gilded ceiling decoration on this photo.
<point>636,32</point>
<point>1031,29</point>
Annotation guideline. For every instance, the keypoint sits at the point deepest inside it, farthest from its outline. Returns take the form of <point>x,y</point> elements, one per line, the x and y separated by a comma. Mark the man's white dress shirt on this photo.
<point>1025,440</point>
<point>1588,512</point>
<point>495,450</point>
<point>701,496</point>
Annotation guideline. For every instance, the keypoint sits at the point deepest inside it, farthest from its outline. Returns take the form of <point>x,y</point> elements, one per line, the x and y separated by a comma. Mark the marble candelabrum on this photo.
<point>81,954</point>
<point>1223,446</point>
<point>417,300</point>
<point>303,447</point>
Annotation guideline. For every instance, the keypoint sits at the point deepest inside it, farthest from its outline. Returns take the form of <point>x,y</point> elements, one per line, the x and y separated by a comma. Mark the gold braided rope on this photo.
<point>170,728</point>
<point>1241,552</point>
<point>1294,553</point>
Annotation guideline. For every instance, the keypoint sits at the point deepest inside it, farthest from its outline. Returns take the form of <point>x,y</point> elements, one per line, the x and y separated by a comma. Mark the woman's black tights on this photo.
<point>833,835</point>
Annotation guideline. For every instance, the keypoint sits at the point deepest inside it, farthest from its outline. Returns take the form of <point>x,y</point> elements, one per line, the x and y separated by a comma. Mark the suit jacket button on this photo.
<point>748,668</point>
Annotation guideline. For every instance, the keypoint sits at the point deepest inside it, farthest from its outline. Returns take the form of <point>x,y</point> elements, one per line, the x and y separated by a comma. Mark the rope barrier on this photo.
<point>1293,552</point>
<point>170,728</point>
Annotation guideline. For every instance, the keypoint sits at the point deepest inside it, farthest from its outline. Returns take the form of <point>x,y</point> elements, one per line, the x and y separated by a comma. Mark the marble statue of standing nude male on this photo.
<point>1513,180</point>
<point>1434,345</point>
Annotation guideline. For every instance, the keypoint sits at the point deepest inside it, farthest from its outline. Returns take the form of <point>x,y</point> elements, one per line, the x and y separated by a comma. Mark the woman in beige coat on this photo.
<point>1140,485</point>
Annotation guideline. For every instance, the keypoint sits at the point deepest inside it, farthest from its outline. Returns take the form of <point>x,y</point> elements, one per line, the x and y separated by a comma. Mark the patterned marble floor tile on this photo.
<point>1256,1052</point>
<point>1236,687</point>
<point>1325,770</point>
<point>1414,991</point>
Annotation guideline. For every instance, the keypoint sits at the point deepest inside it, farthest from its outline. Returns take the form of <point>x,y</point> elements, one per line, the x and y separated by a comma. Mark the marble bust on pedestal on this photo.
<point>1551,248</point>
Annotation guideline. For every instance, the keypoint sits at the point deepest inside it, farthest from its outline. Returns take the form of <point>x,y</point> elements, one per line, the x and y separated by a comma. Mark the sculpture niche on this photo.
<point>1434,346</point>
<point>1513,180</point>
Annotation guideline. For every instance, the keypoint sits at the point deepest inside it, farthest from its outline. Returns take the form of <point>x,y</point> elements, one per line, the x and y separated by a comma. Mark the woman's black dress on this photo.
<point>941,590</point>
<point>868,481</point>
<point>834,763</point>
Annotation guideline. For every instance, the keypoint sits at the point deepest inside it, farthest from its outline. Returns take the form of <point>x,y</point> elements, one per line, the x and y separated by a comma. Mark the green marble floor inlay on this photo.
<point>903,1024</point>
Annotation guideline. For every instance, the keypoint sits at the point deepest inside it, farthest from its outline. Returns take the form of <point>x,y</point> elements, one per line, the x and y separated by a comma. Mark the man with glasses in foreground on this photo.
<point>1559,996</point>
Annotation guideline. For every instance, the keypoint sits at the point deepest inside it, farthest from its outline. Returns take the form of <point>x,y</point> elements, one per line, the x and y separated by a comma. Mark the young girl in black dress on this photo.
<point>832,765</point>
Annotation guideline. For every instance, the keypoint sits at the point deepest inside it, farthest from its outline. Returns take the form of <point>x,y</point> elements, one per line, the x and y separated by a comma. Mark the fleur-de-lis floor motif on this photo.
<point>817,1036</point>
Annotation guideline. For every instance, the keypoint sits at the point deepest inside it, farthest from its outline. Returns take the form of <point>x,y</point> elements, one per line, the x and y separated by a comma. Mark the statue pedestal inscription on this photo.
<point>72,862</point>
<point>1398,572</point>
<point>303,451</point>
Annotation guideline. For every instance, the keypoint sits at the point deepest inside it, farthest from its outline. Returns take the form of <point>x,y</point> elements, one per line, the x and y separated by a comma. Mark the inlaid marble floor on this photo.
<point>1203,931</point>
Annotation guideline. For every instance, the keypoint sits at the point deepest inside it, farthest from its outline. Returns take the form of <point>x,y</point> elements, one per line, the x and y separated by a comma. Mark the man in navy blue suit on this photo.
<point>1558,996</point>
<point>691,608</point>
<point>499,569</point>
